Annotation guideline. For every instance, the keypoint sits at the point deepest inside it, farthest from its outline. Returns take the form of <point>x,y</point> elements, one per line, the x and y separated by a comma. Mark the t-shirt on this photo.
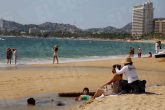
<point>129,71</point>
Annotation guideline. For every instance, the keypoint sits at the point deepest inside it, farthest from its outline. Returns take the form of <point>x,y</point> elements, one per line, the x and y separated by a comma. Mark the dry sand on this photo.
<point>18,82</point>
<point>154,99</point>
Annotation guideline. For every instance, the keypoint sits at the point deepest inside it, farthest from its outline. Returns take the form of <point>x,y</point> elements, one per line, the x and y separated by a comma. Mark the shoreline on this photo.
<point>63,60</point>
<point>94,39</point>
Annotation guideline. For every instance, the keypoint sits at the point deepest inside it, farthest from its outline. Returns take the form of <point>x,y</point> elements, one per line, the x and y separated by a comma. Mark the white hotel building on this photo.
<point>142,22</point>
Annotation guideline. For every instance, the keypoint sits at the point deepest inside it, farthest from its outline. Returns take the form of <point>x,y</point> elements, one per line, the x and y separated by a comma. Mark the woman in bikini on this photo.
<point>115,84</point>
<point>55,54</point>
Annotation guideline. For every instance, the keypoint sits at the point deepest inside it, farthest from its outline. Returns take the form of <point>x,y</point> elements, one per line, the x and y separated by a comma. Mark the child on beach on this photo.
<point>85,95</point>
<point>150,54</point>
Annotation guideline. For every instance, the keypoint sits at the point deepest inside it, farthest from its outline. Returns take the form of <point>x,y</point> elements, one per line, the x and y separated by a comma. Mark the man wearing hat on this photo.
<point>131,75</point>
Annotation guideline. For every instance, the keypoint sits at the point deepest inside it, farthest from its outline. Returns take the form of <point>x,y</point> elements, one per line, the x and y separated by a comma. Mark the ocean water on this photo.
<point>39,50</point>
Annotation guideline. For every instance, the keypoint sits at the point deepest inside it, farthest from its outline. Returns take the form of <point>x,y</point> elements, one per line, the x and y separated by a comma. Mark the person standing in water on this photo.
<point>131,52</point>
<point>139,52</point>
<point>157,47</point>
<point>14,56</point>
<point>55,54</point>
<point>8,55</point>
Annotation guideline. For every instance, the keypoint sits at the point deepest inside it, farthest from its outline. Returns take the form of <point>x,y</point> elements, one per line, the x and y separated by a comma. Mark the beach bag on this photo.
<point>125,86</point>
<point>142,86</point>
<point>138,86</point>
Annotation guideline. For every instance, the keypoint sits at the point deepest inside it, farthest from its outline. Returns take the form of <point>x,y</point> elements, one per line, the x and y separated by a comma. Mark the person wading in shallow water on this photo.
<point>14,56</point>
<point>55,54</point>
<point>139,52</point>
<point>8,55</point>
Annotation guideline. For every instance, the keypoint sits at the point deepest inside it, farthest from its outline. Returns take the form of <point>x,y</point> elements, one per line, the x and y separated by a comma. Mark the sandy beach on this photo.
<point>154,99</point>
<point>25,81</point>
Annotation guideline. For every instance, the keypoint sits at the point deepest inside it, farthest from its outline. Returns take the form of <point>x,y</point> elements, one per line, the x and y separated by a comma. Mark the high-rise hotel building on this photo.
<point>1,23</point>
<point>142,22</point>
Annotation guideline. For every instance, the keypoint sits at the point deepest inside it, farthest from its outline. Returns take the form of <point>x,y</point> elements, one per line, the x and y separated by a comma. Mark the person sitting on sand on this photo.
<point>115,84</point>
<point>150,54</point>
<point>131,75</point>
<point>85,95</point>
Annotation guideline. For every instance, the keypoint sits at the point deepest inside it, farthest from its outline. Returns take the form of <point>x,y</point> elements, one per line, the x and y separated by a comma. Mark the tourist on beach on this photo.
<point>14,56</point>
<point>131,52</point>
<point>114,83</point>
<point>8,55</point>
<point>139,52</point>
<point>85,95</point>
<point>150,54</point>
<point>157,47</point>
<point>131,75</point>
<point>55,54</point>
<point>160,45</point>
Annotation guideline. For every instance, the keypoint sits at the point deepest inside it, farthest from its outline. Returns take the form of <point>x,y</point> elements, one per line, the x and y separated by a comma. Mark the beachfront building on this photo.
<point>1,23</point>
<point>159,25</point>
<point>34,30</point>
<point>142,22</point>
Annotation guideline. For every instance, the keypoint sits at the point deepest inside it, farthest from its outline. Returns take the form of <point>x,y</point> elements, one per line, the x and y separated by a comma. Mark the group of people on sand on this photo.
<point>117,85</point>
<point>11,54</point>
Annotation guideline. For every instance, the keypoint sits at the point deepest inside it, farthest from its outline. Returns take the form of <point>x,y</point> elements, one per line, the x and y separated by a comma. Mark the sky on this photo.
<point>82,13</point>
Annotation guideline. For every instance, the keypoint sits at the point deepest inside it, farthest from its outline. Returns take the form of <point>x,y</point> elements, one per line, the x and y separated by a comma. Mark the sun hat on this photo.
<point>127,60</point>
